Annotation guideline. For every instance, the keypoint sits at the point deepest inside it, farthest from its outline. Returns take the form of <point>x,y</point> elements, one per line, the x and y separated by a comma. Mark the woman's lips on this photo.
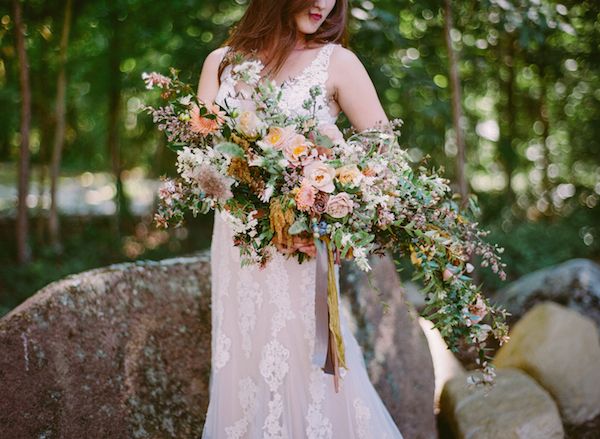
<point>315,17</point>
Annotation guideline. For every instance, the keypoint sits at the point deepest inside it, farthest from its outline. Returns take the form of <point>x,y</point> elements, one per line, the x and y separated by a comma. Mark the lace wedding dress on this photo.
<point>263,382</point>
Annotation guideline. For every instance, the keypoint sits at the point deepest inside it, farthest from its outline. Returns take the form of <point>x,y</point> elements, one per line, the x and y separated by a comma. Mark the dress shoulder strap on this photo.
<point>225,72</point>
<point>320,70</point>
<point>324,55</point>
<point>327,51</point>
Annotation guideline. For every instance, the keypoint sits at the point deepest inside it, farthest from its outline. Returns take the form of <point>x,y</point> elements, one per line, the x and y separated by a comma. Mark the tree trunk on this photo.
<point>456,105</point>
<point>59,133</point>
<point>23,247</point>
<point>507,153</point>
<point>546,159</point>
<point>40,105</point>
<point>114,104</point>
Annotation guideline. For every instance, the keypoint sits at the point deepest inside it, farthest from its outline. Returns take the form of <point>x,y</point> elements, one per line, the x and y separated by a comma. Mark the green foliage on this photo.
<point>91,243</point>
<point>530,74</point>
<point>530,246</point>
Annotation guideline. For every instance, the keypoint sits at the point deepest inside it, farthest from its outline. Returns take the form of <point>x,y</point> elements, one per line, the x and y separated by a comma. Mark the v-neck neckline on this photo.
<point>302,72</point>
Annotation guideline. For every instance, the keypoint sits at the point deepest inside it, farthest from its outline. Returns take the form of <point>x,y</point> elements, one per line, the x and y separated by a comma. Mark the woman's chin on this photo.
<point>308,27</point>
<point>309,30</point>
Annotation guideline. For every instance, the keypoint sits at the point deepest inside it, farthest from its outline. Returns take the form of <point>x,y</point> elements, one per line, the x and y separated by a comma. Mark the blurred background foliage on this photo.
<point>529,73</point>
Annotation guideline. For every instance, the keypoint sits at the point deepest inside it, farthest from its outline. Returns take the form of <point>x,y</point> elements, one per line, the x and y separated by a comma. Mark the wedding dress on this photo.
<point>263,382</point>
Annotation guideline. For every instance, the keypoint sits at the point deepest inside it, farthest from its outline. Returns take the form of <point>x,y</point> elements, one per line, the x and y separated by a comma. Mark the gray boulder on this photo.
<point>116,352</point>
<point>516,408</point>
<point>574,284</point>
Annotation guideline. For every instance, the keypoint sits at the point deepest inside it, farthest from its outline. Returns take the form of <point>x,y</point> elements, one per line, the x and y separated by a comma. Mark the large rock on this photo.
<point>117,352</point>
<point>516,408</point>
<point>395,347</point>
<point>560,349</point>
<point>574,284</point>
<point>124,352</point>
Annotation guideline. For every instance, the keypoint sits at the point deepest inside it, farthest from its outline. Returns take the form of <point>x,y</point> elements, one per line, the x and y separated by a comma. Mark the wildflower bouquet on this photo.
<point>275,177</point>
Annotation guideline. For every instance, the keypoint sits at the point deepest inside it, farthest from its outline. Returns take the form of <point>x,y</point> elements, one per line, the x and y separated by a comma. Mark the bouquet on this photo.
<point>275,178</point>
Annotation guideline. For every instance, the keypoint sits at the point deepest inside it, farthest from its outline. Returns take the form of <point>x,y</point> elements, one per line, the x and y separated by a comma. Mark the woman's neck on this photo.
<point>301,43</point>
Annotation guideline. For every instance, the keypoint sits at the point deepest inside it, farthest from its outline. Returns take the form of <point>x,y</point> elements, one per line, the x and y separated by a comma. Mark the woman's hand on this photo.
<point>304,244</point>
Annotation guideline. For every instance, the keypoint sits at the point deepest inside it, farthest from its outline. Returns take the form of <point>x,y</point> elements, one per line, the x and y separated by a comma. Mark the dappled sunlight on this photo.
<point>87,193</point>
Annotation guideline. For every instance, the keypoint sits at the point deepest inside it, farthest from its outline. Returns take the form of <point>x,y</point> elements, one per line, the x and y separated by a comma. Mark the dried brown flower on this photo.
<point>213,184</point>
<point>241,142</point>
<point>320,205</point>
<point>281,218</point>
<point>240,170</point>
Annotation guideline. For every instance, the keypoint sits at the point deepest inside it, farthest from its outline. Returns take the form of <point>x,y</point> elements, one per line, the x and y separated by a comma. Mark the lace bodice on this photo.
<point>294,91</point>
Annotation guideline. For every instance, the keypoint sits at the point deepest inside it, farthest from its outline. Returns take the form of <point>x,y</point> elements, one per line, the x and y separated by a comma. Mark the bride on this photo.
<point>263,381</point>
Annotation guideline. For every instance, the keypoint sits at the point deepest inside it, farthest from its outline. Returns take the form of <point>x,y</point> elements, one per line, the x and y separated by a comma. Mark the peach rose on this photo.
<point>296,148</point>
<point>305,197</point>
<point>349,175</point>
<point>277,137</point>
<point>340,205</point>
<point>320,175</point>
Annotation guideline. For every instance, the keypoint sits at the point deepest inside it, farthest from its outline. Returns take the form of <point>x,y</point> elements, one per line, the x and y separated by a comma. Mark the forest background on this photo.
<point>503,94</point>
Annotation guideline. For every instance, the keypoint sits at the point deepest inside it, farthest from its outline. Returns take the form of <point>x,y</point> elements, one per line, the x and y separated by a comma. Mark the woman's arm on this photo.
<point>208,84</point>
<point>355,92</point>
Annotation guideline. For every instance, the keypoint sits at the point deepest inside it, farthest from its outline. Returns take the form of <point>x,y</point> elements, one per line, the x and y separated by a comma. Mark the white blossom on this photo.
<point>248,71</point>
<point>360,257</point>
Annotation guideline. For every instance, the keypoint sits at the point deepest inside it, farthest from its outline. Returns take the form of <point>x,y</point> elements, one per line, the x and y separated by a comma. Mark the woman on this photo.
<point>263,382</point>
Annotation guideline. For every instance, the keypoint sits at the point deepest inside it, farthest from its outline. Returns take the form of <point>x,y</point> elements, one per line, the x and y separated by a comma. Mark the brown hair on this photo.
<point>268,28</point>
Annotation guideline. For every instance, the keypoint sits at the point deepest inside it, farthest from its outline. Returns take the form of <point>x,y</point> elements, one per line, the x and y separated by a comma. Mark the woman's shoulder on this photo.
<point>215,57</point>
<point>343,58</point>
<point>344,64</point>
<point>213,61</point>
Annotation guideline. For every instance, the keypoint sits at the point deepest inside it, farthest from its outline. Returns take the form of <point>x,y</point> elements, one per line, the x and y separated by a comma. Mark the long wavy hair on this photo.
<point>268,27</point>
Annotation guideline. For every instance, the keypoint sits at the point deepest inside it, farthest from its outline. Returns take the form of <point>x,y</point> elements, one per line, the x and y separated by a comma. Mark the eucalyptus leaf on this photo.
<point>299,226</point>
<point>231,149</point>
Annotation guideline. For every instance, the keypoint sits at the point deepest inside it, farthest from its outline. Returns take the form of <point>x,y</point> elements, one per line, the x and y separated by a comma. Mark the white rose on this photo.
<point>320,175</point>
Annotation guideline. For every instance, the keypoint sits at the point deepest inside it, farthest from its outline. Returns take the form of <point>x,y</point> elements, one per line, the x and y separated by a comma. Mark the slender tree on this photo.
<point>507,153</point>
<point>114,114</point>
<point>59,132</point>
<point>456,103</point>
<point>23,247</point>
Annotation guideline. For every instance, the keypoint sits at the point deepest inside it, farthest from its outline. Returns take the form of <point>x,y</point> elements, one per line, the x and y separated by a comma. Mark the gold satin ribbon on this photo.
<point>328,334</point>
